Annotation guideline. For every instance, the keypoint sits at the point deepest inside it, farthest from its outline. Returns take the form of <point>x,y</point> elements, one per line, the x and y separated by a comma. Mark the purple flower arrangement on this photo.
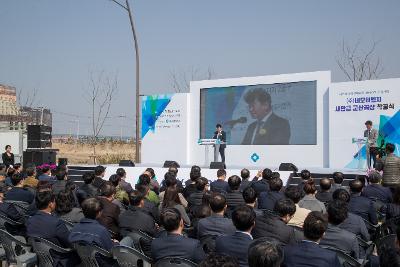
<point>46,165</point>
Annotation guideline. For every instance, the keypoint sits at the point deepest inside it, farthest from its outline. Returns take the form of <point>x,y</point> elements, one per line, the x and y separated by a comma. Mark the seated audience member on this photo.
<point>123,183</point>
<point>174,244</point>
<point>337,237</point>
<point>353,223</point>
<point>18,192</point>
<point>190,185</point>
<point>2,172</point>
<point>267,200</point>
<point>390,166</point>
<point>324,194</point>
<point>392,210</point>
<point>305,177</point>
<point>30,180</point>
<point>65,208</point>
<point>234,197</point>
<point>10,172</point>
<point>149,206</point>
<point>60,182</point>
<point>338,178</point>
<point>89,230</point>
<point>135,217</point>
<point>308,252</point>
<point>154,185</point>
<point>360,205</point>
<point>99,173</point>
<point>46,175</point>
<point>274,225</point>
<point>87,190</point>
<point>9,210</point>
<point>263,184</point>
<point>110,212</point>
<point>390,254</point>
<point>218,260</point>
<point>145,180</point>
<point>237,245</point>
<point>196,198</point>
<point>174,172</point>
<point>171,181</point>
<point>245,175</point>
<point>220,185</point>
<point>292,192</point>
<point>265,253</point>
<point>250,198</point>
<point>172,200</point>
<point>309,201</point>
<point>121,197</point>
<point>216,224</point>
<point>375,190</point>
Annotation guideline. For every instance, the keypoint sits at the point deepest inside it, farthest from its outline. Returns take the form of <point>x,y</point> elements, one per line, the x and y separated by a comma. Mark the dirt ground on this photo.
<point>107,153</point>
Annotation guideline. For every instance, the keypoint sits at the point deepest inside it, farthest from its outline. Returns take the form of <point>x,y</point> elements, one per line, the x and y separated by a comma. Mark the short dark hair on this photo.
<point>195,173</point>
<point>285,207</point>
<point>234,182</point>
<point>245,173</point>
<point>258,94</point>
<point>341,194</point>
<point>17,165</point>
<point>170,219</point>
<point>201,183</point>
<point>325,184</point>
<point>114,179</point>
<point>98,170</point>
<point>88,177</point>
<point>219,260</point>
<point>243,217</point>
<point>276,175</point>
<point>315,225</point>
<point>390,148</point>
<point>107,189</point>
<point>267,174</point>
<point>265,253</point>
<point>218,125</point>
<point>144,179</point>
<point>337,211</point>
<point>368,122</point>
<point>173,169</point>
<point>338,177</point>
<point>309,187</point>
<point>135,197</point>
<point>45,169</point>
<point>16,178</point>
<point>249,195</point>
<point>356,186</point>
<point>217,202</point>
<point>151,171</point>
<point>276,184</point>
<point>305,174</point>
<point>43,199</point>
<point>30,171</point>
<point>91,207</point>
<point>120,172</point>
<point>293,192</point>
<point>61,175</point>
<point>64,203</point>
<point>374,177</point>
<point>221,172</point>
<point>170,179</point>
<point>7,146</point>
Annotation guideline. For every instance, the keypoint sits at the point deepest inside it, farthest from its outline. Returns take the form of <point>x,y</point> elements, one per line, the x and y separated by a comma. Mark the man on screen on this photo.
<point>372,135</point>
<point>220,135</point>
<point>268,129</point>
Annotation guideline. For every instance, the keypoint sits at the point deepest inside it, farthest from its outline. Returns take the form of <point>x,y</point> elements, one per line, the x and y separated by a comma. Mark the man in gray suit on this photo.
<point>372,135</point>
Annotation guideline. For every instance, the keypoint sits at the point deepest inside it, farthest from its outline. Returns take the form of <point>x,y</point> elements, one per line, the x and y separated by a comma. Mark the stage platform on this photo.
<point>288,177</point>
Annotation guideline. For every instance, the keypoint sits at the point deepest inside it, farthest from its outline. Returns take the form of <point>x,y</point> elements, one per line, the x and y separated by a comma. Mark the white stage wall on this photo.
<point>351,104</point>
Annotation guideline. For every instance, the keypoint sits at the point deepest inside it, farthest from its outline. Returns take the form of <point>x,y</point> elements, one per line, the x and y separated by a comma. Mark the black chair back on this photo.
<point>42,249</point>
<point>345,259</point>
<point>388,241</point>
<point>208,243</point>
<point>130,257</point>
<point>5,221</point>
<point>174,262</point>
<point>88,254</point>
<point>12,247</point>
<point>136,235</point>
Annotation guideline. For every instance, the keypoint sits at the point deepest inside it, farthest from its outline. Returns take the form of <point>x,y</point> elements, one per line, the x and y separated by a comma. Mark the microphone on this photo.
<point>233,122</point>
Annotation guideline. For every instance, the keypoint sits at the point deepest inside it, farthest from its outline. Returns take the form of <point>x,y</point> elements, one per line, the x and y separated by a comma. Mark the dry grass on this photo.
<point>107,153</point>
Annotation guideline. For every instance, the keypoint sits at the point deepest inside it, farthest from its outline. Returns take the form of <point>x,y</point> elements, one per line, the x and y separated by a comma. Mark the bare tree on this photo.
<point>29,99</point>
<point>180,81</point>
<point>100,94</point>
<point>359,64</point>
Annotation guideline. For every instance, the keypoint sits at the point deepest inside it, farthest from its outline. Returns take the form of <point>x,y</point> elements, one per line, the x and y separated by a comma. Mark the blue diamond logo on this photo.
<point>255,157</point>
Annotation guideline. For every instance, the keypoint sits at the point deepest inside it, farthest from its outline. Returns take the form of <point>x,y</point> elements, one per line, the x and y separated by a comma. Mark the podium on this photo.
<point>360,141</point>
<point>207,143</point>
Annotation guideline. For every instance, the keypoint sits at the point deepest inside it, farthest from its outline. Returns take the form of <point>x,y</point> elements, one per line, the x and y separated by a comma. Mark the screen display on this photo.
<point>265,114</point>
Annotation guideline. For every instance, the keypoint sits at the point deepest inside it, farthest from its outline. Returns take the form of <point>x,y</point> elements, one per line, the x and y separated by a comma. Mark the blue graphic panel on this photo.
<point>152,107</point>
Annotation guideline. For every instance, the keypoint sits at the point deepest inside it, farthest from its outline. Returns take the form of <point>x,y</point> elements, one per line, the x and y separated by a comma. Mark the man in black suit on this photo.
<point>338,178</point>
<point>237,245</point>
<point>109,217</point>
<point>87,190</point>
<point>268,129</point>
<point>267,200</point>
<point>250,198</point>
<point>174,244</point>
<point>324,194</point>
<point>274,225</point>
<point>196,199</point>
<point>360,205</point>
<point>18,192</point>
<point>266,253</point>
<point>234,198</point>
<point>244,174</point>
<point>263,184</point>
<point>375,190</point>
<point>220,185</point>
<point>221,136</point>
<point>308,252</point>
<point>99,173</point>
<point>305,176</point>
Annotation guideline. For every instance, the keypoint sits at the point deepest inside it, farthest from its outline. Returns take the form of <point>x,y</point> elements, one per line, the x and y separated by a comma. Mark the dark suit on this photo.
<point>20,194</point>
<point>310,254</point>
<point>324,196</point>
<point>136,219</point>
<point>219,186</point>
<point>341,239</point>
<point>215,225</point>
<point>174,245</point>
<point>260,186</point>
<point>378,191</point>
<point>234,199</point>
<point>86,191</point>
<point>356,225</point>
<point>275,131</point>
<point>363,207</point>
<point>272,226</point>
<point>109,215</point>
<point>222,138</point>
<point>189,189</point>
<point>98,182</point>
<point>235,245</point>
<point>244,184</point>
<point>46,178</point>
<point>58,186</point>
<point>267,200</point>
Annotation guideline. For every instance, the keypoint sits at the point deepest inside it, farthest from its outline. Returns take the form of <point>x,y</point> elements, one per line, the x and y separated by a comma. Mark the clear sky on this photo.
<point>52,44</point>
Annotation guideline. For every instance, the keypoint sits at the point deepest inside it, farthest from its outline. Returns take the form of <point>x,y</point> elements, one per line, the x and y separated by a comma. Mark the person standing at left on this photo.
<point>372,136</point>
<point>220,135</point>
<point>8,157</point>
